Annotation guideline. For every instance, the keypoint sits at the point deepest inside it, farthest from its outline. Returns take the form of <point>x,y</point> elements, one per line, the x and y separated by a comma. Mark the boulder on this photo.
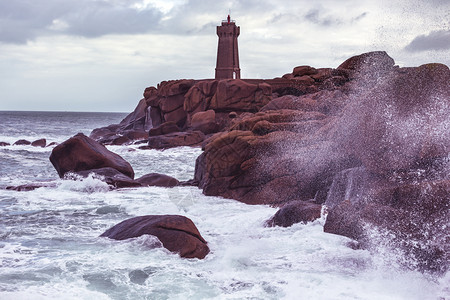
<point>237,95</point>
<point>81,153</point>
<point>150,92</point>
<point>295,212</point>
<point>291,102</point>
<point>281,120</point>
<point>109,175</point>
<point>177,139</point>
<point>169,102</point>
<point>407,217</point>
<point>304,70</point>
<point>177,233</point>
<point>135,135</point>
<point>30,186</point>
<point>401,122</point>
<point>39,143</point>
<point>304,80</point>
<point>22,142</point>
<point>270,169</point>
<point>155,179</point>
<point>165,128</point>
<point>3,144</point>
<point>199,96</point>
<point>100,133</point>
<point>376,61</point>
<point>226,96</point>
<point>204,121</point>
<point>137,119</point>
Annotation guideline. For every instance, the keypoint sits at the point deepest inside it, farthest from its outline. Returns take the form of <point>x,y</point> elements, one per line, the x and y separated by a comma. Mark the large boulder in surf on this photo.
<point>80,153</point>
<point>177,233</point>
<point>295,212</point>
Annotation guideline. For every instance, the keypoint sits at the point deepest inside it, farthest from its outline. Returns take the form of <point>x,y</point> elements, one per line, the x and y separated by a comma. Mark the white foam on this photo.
<point>51,248</point>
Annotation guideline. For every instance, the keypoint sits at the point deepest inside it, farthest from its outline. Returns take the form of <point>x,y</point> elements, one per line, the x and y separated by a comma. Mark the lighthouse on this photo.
<point>227,66</point>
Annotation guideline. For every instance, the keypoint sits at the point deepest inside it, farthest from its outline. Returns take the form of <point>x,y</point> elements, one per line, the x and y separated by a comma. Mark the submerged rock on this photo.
<point>176,233</point>
<point>111,176</point>
<point>81,153</point>
<point>22,142</point>
<point>39,143</point>
<point>30,186</point>
<point>155,179</point>
<point>295,212</point>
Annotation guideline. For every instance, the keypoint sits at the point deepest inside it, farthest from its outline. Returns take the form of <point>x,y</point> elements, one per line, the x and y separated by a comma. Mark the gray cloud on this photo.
<point>435,40</point>
<point>315,16</point>
<point>24,20</point>
<point>360,17</point>
<point>107,18</point>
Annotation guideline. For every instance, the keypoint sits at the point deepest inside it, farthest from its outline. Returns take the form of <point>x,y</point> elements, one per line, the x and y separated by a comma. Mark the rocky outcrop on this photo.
<point>267,169</point>
<point>402,122</point>
<point>133,127</point>
<point>81,153</point>
<point>177,233</point>
<point>367,139</point>
<point>295,212</point>
<point>165,128</point>
<point>227,95</point>
<point>410,217</point>
<point>378,140</point>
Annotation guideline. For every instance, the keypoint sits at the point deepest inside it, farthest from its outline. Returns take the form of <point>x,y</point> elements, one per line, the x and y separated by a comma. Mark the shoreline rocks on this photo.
<point>177,233</point>
<point>369,139</point>
<point>81,153</point>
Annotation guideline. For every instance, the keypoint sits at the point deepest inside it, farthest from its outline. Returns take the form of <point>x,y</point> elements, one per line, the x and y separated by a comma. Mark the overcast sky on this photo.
<point>99,55</point>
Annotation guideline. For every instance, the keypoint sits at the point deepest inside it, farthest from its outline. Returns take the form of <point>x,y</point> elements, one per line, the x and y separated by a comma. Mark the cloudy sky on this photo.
<point>99,55</point>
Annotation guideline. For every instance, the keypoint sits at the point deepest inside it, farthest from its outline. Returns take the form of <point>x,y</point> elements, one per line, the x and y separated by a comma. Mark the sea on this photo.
<point>50,246</point>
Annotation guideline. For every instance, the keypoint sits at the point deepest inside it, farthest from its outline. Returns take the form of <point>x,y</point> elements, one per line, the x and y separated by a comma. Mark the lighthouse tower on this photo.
<point>227,65</point>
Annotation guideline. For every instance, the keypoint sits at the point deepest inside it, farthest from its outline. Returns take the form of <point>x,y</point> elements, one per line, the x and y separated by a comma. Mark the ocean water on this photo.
<point>50,246</point>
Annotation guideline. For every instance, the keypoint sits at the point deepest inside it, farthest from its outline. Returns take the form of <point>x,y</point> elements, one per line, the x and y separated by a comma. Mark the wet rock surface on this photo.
<point>295,212</point>
<point>177,233</point>
<point>368,139</point>
<point>81,153</point>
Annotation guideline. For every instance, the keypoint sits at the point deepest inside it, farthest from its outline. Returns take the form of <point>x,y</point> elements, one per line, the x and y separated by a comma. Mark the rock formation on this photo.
<point>177,233</point>
<point>390,122</point>
<point>81,153</point>
<point>368,139</point>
